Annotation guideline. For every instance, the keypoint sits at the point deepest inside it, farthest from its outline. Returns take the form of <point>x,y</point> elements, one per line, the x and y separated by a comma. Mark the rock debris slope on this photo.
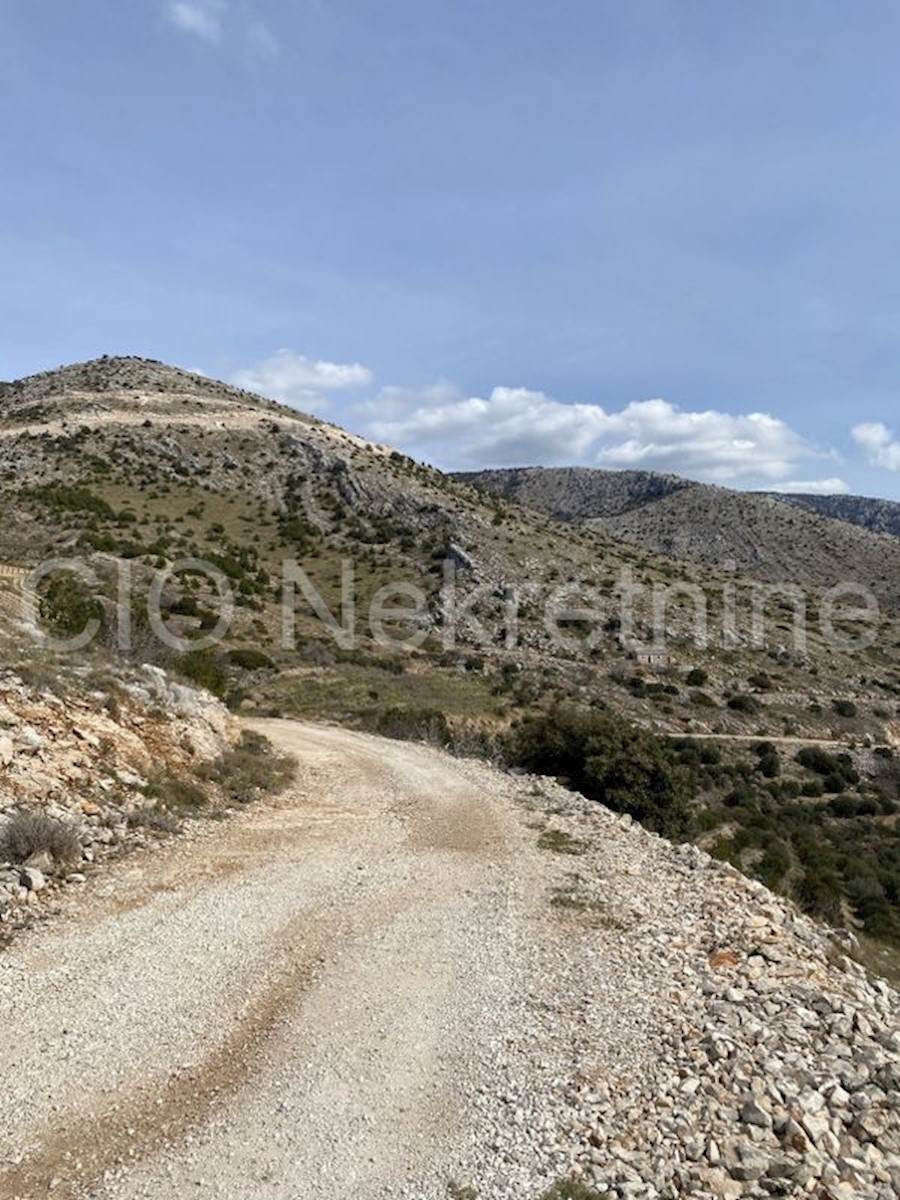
<point>78,751</point>
<point>411,970</point>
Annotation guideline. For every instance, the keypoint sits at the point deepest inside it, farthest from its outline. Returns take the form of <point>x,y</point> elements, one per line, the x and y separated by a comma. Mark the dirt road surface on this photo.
<point>297,1003</point>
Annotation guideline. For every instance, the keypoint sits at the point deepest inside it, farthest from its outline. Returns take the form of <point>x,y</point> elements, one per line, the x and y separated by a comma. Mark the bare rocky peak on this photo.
<point>118,380</point>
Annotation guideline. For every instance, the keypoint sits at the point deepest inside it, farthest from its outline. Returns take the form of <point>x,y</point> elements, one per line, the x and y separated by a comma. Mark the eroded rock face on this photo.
<point>81,760</point>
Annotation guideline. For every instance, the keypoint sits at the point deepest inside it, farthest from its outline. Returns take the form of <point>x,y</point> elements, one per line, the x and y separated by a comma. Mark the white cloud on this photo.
<point>814,487</point>
<point>879,443</point>
<point>515,427</point>
<point>301,381</point>
<point>200,18</point>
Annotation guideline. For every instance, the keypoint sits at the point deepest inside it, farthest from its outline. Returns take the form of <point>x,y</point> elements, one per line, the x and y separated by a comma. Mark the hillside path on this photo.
<point>296,1003</point>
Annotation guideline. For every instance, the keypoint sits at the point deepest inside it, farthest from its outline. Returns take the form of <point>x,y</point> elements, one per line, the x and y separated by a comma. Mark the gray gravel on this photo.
<point>380,983</point>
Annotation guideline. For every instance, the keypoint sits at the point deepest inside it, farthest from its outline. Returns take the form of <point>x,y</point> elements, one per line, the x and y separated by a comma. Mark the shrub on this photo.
<point>696,678</point>
<point>627,768</point>
<point>175,793</point>
<point>250,659</point>
<point>71,497</point>
<point>412,725</point>
<point>818,760</point>
<point>761,681</point>
<point>67,605</point>
<point>203,668</point>
<point>743,703</point>
<point>844,708</point>
<point>833,783</point>
<point>250,769</point>
<point>27,833</point>
<point>770,765</point>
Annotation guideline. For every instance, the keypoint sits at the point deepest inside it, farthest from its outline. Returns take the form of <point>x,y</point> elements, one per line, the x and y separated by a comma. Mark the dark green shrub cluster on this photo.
<point>606,759</point>
<point>743,702</point>
<point>205,669</point>
<point>67,605</point>
<point>249,658</point>
<point>837,770</point>
<point>412,725</point>
<point>71,498</point>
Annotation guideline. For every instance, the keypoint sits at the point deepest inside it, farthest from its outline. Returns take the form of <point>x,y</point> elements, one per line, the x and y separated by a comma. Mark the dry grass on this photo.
<point>28,833</point>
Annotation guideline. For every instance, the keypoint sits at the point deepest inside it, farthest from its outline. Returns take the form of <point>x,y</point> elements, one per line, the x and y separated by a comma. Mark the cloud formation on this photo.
<point>214,22</point>
<point>813,487</point>
<point>199,18</point>
<point>300,381</point>
<point>881,446</point>
<point>516,426</point>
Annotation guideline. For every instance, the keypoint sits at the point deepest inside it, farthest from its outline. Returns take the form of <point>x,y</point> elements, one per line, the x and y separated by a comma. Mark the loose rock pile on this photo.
<point>714,1041</point>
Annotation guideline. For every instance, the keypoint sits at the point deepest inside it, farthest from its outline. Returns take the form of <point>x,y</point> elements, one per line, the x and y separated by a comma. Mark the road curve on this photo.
<point>292,1004</point>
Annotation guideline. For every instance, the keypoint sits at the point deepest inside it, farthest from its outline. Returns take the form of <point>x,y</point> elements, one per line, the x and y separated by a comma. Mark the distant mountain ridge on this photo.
<point>816,541</point>
<point>878,516</point>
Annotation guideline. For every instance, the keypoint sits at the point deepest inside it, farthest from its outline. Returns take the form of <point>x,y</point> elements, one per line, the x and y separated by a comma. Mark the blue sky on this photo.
<point>647,234</point>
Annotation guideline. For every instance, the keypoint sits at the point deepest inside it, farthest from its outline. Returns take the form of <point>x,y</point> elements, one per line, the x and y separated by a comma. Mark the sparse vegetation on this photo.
<point>574,1189</point>
<point>250,769</point>
<point>27,833</point>
<point>561,842</point>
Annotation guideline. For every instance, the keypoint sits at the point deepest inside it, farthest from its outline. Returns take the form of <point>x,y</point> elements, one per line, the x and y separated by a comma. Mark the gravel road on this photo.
<point>410,971</point>
<point>298,1006</point>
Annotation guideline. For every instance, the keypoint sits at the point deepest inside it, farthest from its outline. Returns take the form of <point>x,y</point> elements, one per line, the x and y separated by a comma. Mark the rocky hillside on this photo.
<point>815,542</point>
<point>128,464</point>
<point>577,493</point>
<point>94,761</point>
<point>878,516</point>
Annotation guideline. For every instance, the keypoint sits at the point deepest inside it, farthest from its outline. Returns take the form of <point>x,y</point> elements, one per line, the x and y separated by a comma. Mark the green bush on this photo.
<point>696,678</point>
<point>204,668</point>
<point>626,768</point>
<point>67,605</point>
<point>411,724</point>
<point>250,659</point>
<point>761,681</point>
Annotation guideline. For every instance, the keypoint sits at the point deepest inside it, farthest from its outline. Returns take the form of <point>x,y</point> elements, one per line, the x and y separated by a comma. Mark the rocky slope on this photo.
<point>811,541</point>
<point>764,1063</point>
<point>94,762</point>
<point>878,516</point>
